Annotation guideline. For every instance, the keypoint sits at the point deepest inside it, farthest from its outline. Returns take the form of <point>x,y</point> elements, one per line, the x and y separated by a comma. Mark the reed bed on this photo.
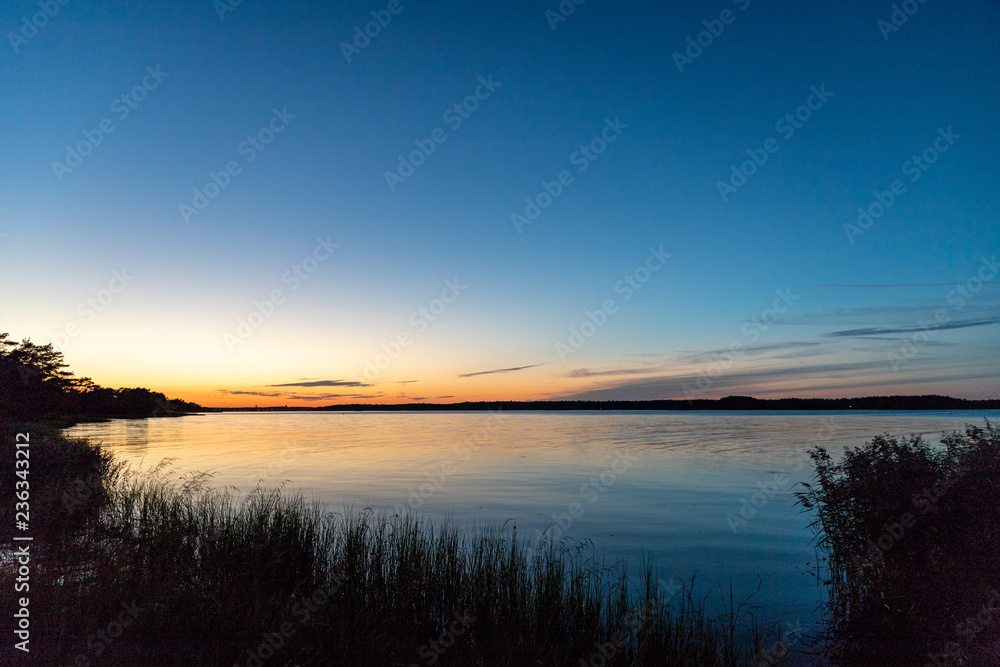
<point>911,537</point>
<point>155,568</point>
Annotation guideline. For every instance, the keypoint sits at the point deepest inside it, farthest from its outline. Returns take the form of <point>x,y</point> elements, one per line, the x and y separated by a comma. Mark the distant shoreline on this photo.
<point>886,403</point>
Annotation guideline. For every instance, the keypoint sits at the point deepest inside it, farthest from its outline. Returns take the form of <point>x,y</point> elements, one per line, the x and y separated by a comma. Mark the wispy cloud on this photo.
<point>751,350</point>
<point>587,372</point>
<point>925,343</point>
<point>881,331</point>
<point>984,307</point>
<point>820,377</point>
<point>499,370</point>
<point>802,352</point>
<point>889,285</point>
<point>293,396</point>
<point>750,380</point>
<point>322,397</point>
<point>323,383</point>
<point>789,350</point>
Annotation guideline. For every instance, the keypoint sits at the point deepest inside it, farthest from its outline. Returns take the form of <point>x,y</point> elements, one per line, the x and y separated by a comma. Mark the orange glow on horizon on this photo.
<point>453,390</point>
<point>316,380</point>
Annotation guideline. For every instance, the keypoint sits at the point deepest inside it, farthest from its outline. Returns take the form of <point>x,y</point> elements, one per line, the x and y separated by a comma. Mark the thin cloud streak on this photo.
<point>323,383</point>
<point>673,386</point>
<point>750,350</point>
<point>322,397</point>
<point>873,331</point>
<point>499,370</point>
<point>586,372</point>
<point>891,285</point>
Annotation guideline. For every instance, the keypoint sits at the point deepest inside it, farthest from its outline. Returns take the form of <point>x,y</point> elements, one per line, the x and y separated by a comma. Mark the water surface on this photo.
<point>677,486</point>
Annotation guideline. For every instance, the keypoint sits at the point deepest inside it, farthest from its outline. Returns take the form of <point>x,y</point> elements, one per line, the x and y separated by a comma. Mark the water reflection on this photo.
<point>129,437</point>
<point>688,474</point>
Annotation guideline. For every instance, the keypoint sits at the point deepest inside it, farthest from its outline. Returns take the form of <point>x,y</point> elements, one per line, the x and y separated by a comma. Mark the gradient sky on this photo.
<point>907,303</point>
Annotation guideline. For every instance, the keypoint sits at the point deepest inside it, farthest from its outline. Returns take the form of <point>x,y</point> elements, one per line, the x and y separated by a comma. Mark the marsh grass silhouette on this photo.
<point>911,533</point>
<point>156,568</point>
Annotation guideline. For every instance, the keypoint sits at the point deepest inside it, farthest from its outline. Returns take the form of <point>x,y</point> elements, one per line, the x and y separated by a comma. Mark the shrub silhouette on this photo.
<point>912,536</point>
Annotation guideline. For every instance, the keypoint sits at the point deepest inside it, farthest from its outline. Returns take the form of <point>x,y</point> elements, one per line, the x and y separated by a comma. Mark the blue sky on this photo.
<point>876,310</point>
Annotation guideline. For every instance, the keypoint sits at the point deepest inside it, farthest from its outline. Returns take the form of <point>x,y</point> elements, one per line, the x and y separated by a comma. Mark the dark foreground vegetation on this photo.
<point>152,569</point>
<point>912,534</point>
<point>35,384</point>
<point>155,569</point>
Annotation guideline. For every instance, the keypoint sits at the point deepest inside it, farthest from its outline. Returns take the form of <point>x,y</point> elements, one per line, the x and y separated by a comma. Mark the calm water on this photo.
<point>665,484</point>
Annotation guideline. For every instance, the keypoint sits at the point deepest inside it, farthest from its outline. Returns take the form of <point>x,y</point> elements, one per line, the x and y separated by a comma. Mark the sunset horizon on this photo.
<point>401,333</point>
<point>470,222</point>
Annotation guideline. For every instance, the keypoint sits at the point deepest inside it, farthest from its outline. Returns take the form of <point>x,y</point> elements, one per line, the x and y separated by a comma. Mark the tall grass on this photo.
<point>911,533</point>
<point>158,569</point>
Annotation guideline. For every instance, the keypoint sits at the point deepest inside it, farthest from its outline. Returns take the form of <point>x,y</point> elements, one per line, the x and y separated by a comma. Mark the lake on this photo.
<point>675,486</point>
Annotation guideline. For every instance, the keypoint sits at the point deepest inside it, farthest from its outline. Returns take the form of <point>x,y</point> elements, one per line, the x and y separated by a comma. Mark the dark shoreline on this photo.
<point>728,403</point>
<point>909,580</point>
<point>130,568</point>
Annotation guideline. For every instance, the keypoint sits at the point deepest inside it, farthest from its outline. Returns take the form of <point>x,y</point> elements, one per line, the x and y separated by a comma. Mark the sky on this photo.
<point>263,203</point>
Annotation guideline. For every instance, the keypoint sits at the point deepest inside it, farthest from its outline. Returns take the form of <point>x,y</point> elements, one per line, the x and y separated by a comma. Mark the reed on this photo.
<point>156,568</point>
<point>911,535</point>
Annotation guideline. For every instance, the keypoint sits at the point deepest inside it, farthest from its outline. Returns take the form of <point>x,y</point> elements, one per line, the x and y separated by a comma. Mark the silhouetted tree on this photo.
<point>33,379</point>
<point>35,383</point>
